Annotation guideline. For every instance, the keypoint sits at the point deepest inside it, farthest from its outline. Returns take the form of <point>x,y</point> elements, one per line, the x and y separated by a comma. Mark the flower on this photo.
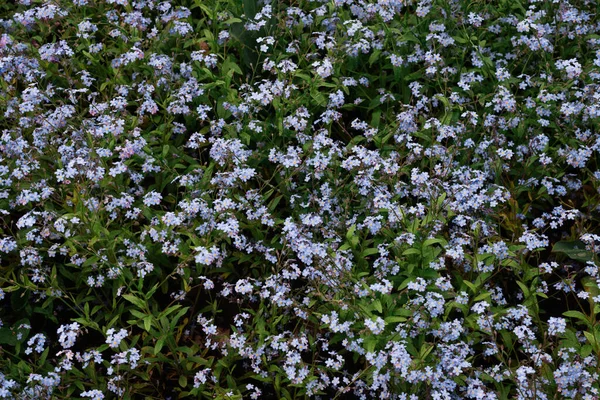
<point>38,340</point>
<point>207,256</point>
<point>375,326</point>
<point>114,339</point>
<point>152,198</point>
<point>200,377</point>
<point>93,394</point>
<point>556,326</point>
<point>67,334</point>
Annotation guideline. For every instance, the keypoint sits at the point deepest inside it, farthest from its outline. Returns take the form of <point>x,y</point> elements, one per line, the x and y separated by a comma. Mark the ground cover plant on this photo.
<point>333,199</point>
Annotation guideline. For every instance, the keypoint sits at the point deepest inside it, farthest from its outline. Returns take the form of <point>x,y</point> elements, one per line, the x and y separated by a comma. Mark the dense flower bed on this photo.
<point>231,199</point>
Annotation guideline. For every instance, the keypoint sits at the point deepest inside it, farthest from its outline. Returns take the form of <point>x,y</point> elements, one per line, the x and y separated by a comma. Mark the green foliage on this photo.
<point>230,199</point>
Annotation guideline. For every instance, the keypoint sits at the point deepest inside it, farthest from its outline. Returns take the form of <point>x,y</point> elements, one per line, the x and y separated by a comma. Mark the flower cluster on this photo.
<point>243,199</point>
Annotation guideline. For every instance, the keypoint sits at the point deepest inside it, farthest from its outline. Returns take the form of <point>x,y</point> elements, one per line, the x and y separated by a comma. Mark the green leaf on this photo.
<point>590,286</point>
<point>577,314</point>
<point>206,177</point>
<point>374,57</point>
<point>574,249</point>
<point>137,313</point>
<point>405,283</point>
<point>403,312</point>
<point>7,336</point>
<point>586,350</point>
<point>151,292</point>
<point>148,322</point>
<point>394,319</point>
<point>377,306</point>
<point>351,236</point>
<point>426,349</point>
<point>44,355</point>
<point>135,301</point>
<point>471,286</point>
<point>176,317</point>
<point>183,381</point>
<point>249,8</point>
<point>410,251</point>
<point>318,97</point>
<point>591,338</point>
<point>524,288</point>
<point>170,310</point>
<point>19,299</point>
<point>229,65</point>
<point>369,252</point>
<point>430,242</point>
<point>370,344</point>
<point>482,296</point>
<point>375,118</point>
<point>273,204</point>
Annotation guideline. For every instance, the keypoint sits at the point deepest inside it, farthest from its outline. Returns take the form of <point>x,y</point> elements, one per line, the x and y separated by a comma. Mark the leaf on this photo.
<point>471,286</point>
<point>229,65</point>
<point>170,310</point>
<point>524,288</point>
<point>273,204</point>
<point>574,249</point>
<point>351,236</point>
<point>135,301</point>
<point>586,350</point>
<point>151,291</point>
<point>138,314</point>
<point>318,97</point>
<point>231,21</point>
<point>374,56</point>
<point>414,76</point>
<point>177,316</point>
<point>9,289</point>
<point>7,336</point>
<point>20,299</point>
<point>410,251</point>
<point>571,339</point>
<point>148,322</point>
<point>577,314</point>
<point>370,344</point>
<point>429,242</point>
<point>369,252</point>
<point>425,350</point>
<point>183,381</point>
<point>249,8</point>
<point>375,118</point>
<point>482,296</point>
<point>403,312</point>
<point>394,319</point>
<point>591,338</point>
<point>44,356</point>
<point>206,177</point>
<point>377,306</point>
<point>304,77</point>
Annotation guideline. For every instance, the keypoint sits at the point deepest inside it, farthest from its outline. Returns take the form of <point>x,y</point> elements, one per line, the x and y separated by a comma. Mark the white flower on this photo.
<point>556,326</point>
<point>323,68</point>
<point>376,326</point>
<point>67,334</point>
<point>115,339</point>
<point>94,394</point>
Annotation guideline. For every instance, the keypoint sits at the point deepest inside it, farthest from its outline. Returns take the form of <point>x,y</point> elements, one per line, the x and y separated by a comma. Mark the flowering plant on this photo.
<point>230,199</point>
